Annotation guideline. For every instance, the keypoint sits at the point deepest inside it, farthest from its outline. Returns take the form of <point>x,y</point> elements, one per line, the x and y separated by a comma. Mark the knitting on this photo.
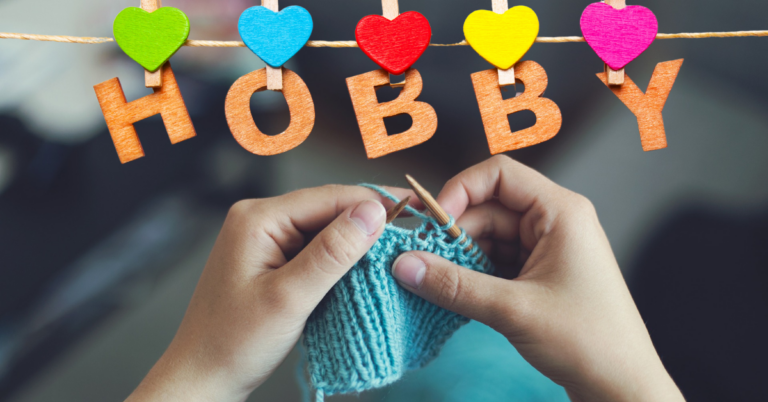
<point>368,331</point>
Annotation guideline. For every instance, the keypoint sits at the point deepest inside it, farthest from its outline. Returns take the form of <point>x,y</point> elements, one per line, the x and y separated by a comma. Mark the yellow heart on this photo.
<point>502,39</point>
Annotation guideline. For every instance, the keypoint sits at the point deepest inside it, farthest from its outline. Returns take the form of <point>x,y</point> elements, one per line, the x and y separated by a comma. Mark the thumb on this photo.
<point>470,293</point>
<point>314,271</point>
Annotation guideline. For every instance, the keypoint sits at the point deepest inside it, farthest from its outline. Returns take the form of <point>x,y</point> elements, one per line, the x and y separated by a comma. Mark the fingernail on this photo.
<point>409,270</point>
<point>369,216</point>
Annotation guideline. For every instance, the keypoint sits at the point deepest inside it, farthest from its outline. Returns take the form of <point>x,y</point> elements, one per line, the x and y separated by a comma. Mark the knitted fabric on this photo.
<point>368,331</point>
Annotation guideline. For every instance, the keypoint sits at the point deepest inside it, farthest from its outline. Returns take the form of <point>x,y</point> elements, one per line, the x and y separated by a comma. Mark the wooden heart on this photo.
<point>275,37</point>
<point>151,38</point>
<point>618,36</point>
<point>502,39</point>
<point>394,44</point>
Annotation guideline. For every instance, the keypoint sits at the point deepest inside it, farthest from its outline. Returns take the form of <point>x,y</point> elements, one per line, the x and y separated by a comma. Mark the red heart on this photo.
<point>394,45</point>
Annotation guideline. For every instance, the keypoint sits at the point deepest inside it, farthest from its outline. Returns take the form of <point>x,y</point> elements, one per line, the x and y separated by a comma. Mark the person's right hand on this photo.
<point>568,312</point>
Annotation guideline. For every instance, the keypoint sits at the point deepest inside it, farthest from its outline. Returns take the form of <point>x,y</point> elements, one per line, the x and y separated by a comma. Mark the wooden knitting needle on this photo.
<point>437,211</point>
<point>397,209</point>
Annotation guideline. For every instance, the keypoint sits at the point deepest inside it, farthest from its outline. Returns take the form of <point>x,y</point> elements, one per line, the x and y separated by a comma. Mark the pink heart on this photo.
<point>618,36</point>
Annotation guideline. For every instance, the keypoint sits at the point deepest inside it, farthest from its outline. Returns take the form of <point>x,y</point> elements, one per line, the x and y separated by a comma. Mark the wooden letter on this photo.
<point>647,107</point>
<point>370,113</point>
<point>121,115</point>
<point>494,109</point>
<point>240,119</point>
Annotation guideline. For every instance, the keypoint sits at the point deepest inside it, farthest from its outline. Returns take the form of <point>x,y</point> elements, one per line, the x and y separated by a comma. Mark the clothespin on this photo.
<point>615,77</point>
<point>152,79</point>
<point>506,77</point>
<point>274,75</point>
<point>391,10</point>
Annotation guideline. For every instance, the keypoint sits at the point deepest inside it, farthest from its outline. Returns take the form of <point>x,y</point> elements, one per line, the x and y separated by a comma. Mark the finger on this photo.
<point>312,209</point>
<point>282,223</point>
<point>491,220</point>
<point>401,194</point>
<point>332,253</point>
<point>472,294</point>
<point>517,186</point>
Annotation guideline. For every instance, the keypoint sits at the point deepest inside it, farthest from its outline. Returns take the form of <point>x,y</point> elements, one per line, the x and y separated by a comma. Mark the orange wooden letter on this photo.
<point>370,113</point>
<point>647,107</point>
<point>121,115</point>
<point>494,109</point>
<point>240,118</point>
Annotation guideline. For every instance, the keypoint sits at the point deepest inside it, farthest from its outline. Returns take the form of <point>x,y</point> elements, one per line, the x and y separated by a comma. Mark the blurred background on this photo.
<point>98,260</point>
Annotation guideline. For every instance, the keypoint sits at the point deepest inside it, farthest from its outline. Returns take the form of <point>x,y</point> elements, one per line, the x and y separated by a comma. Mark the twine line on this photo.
<point>350,43</point>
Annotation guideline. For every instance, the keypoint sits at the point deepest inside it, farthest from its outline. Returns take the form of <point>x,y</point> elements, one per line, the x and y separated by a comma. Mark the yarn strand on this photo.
<point>350,43</point>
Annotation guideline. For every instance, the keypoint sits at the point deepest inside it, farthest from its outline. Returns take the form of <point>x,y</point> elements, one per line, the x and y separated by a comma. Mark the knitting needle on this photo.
<point>397,209</point>
<point>437,211</point>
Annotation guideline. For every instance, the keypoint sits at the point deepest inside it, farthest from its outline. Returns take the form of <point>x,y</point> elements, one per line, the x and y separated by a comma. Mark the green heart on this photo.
<point>151,38</point>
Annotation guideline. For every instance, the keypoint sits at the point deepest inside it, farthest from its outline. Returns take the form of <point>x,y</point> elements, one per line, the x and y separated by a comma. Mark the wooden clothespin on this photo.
<point>391,10</point>
<point>614,77</point>
<point>152,79</point>
<point>274,75</point>
<point>506,77</point>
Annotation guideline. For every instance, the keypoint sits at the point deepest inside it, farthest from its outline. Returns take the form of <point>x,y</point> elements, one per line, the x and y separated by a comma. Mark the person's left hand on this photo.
<point>259,287</point>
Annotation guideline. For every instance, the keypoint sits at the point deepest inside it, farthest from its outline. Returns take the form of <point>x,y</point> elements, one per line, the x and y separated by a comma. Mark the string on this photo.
<point>350,43</point>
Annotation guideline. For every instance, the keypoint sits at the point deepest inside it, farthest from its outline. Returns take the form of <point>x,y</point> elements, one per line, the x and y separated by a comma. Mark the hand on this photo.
<point>568,311</point>
<point>259,287</point>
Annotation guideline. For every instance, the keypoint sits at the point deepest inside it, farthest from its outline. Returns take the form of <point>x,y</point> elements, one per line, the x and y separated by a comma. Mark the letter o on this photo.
<point>240,118</point>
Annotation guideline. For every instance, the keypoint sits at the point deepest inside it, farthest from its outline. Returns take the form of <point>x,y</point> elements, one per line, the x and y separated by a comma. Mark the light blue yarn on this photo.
<point>368,331</point>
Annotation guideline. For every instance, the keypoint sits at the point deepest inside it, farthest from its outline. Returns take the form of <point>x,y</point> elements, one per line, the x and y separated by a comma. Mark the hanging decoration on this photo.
<point>394,44</point>
<point>275,37</point>
<point>151,39</point>
<point>152,34</point>
<point>502,38</point>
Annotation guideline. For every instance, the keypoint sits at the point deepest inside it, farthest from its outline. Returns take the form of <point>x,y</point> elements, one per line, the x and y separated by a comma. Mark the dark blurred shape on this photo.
<point>78,228</point>
<point>701,284</point>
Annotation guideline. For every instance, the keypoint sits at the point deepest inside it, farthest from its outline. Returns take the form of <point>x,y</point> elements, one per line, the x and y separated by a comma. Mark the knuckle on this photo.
<point>502,159</point>
<point>245,209</point>
<point>334,248</point>
<point>583,205</point>
<point>448,284</point>
<point>579,209</point>
<point>333,188</point>
<point>240,209</point>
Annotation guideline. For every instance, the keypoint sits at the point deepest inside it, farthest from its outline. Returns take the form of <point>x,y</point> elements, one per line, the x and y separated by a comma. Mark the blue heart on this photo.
<point>275,37</point>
